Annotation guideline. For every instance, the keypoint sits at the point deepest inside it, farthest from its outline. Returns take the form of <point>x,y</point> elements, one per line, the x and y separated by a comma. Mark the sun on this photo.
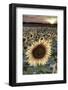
<point>39,52</point>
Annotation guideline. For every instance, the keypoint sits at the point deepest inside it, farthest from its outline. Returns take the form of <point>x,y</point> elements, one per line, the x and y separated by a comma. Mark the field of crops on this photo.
<point>38,62</point>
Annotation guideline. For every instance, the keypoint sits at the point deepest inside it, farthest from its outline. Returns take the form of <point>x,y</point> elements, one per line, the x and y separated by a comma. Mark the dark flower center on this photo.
<point>39,51</point>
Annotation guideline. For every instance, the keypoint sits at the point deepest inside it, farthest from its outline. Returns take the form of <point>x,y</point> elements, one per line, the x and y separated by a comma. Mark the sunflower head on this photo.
<point>39,52</point>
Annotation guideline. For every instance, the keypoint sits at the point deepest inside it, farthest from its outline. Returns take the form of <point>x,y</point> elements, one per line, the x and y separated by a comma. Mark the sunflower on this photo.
<point>39,52</point>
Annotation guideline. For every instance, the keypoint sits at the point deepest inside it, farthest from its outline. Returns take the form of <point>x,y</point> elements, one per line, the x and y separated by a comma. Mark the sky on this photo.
<point>40,19</point>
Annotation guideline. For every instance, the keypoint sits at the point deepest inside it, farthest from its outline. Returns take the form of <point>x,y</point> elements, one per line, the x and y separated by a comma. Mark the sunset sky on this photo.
<point>40,19</point>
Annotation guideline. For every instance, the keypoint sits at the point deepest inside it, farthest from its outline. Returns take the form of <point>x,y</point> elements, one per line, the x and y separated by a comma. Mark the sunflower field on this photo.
<point>39,50</point>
